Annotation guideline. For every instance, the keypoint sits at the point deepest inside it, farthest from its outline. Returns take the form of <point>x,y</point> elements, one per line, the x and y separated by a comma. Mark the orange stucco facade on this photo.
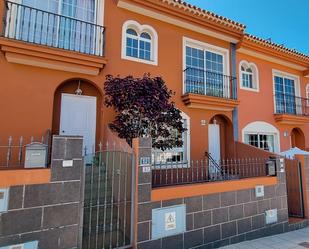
<point>30,82</point>
<point>259,106</point>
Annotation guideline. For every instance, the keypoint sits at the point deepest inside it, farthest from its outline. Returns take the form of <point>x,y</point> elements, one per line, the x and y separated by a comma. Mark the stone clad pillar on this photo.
<point>144,205</point>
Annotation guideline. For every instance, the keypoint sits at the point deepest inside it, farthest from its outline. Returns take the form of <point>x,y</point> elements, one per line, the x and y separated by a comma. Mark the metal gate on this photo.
<point>108,200</point>
<point>294,188</point>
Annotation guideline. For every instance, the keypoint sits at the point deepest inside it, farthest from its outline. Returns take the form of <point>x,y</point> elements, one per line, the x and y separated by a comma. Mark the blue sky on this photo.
<point>285,21</point>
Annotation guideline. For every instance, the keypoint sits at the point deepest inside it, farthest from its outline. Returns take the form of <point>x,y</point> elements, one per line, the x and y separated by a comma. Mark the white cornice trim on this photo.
<point>271,59</point>
<point>174,21</point>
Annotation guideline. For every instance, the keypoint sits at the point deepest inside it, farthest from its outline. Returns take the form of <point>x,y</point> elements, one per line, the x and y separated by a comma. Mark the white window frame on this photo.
<point>255,76</point>
<point>98,20</point>
<point>206,47</point>
<point>186,146</point>
<point>139,29</point>
<point>258,138</point>
<point>264,128</point>
<point>290,76</point>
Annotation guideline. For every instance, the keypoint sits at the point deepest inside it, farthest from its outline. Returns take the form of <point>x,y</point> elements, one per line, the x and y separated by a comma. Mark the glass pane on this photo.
<point>146,36</point>
<point>214,74</point>
<point>279,95</point>
<point>75,34</point>
<point>131,32</point>
<point>253,140</point>
<point>144,50</point>
<point>131,48</point>
<point>38,26</point>
<point>267,142</point>
<point>195,76</point>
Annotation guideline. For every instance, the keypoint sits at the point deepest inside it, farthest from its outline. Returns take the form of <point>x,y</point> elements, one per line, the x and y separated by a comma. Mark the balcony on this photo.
<point>39,38</point>
<point>291,109</point>
<point>209,90</point>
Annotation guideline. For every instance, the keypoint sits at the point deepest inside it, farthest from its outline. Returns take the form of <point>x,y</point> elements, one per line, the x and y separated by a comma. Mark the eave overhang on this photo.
<point>184,16</point>
<point>265,50</point>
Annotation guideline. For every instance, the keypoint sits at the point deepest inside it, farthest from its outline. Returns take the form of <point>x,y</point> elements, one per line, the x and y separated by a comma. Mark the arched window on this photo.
<point>139,43</point>
<point>249,79</point>
<point>262,135</point>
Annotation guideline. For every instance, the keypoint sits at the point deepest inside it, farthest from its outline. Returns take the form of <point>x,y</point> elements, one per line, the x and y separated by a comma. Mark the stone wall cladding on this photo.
<point>224,218</point>
<point>49,213</point>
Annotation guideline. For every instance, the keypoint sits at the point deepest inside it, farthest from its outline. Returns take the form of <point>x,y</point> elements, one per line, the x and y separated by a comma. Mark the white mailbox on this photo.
<point>36,155</point>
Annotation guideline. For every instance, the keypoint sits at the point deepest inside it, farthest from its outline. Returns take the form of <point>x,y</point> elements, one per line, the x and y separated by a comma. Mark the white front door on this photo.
<point>214,145</point>
<point>78,118</point>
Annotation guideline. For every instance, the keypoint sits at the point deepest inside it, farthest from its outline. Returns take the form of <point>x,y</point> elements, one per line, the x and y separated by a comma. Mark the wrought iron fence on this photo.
<point>291,104</point>
<point>207,170</point>
<point>108,200</point>
<point>13,150</point>
<point>50,29</point>
<point>209,83</point>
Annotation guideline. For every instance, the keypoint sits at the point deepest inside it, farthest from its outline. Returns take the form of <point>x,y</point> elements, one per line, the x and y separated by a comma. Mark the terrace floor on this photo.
<point>298,239</point>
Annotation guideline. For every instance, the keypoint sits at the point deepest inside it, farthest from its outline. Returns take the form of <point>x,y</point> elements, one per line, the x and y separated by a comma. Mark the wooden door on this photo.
<point>294,188</point>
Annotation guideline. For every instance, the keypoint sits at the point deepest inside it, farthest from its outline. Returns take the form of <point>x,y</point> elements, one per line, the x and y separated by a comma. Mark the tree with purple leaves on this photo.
<point>144,108</point>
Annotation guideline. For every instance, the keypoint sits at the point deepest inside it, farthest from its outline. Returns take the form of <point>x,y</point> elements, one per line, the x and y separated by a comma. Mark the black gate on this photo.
<point>294,188</point>
<point>107,219</point>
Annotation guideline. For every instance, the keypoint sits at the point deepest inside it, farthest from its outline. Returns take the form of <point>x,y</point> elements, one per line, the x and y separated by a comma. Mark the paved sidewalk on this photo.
<point>298,239</point>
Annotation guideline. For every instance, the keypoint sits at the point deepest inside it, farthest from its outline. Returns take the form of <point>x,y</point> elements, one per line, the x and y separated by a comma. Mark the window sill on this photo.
<point>250,89</point>
<point>209,102</point>
<point>291,119</point>
<point>154,63</point>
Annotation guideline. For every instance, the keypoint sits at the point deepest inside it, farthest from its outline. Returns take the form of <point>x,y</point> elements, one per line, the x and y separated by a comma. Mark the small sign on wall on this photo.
<point>259,191</point>
<point>271,216</point>
<point>67,163</point>
<point>146,169</point>
<point>170,221</point>
<point>282,165</point>
<point>144,161</point>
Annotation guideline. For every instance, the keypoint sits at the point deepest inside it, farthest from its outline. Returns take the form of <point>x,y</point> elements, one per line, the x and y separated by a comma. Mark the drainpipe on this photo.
<point>233,74</point>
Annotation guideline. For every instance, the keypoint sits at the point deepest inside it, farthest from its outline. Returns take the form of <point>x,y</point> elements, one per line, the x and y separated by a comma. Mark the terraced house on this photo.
<point>67,181</point>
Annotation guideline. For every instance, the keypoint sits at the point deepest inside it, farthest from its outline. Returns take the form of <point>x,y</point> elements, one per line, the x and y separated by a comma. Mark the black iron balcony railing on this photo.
<point>41,27</point>
<point>210,83</point>
<point>291,104</point>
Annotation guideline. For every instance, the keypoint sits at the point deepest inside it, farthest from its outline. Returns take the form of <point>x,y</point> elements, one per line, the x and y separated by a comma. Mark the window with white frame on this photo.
<point>262,135</point>
<point>286,90</point>
<point>206,69</point>
<point>249,78</point>
<point>139,42</point>
<point>178,155</point>
<point>67,24</point>
<point>260,140</point>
